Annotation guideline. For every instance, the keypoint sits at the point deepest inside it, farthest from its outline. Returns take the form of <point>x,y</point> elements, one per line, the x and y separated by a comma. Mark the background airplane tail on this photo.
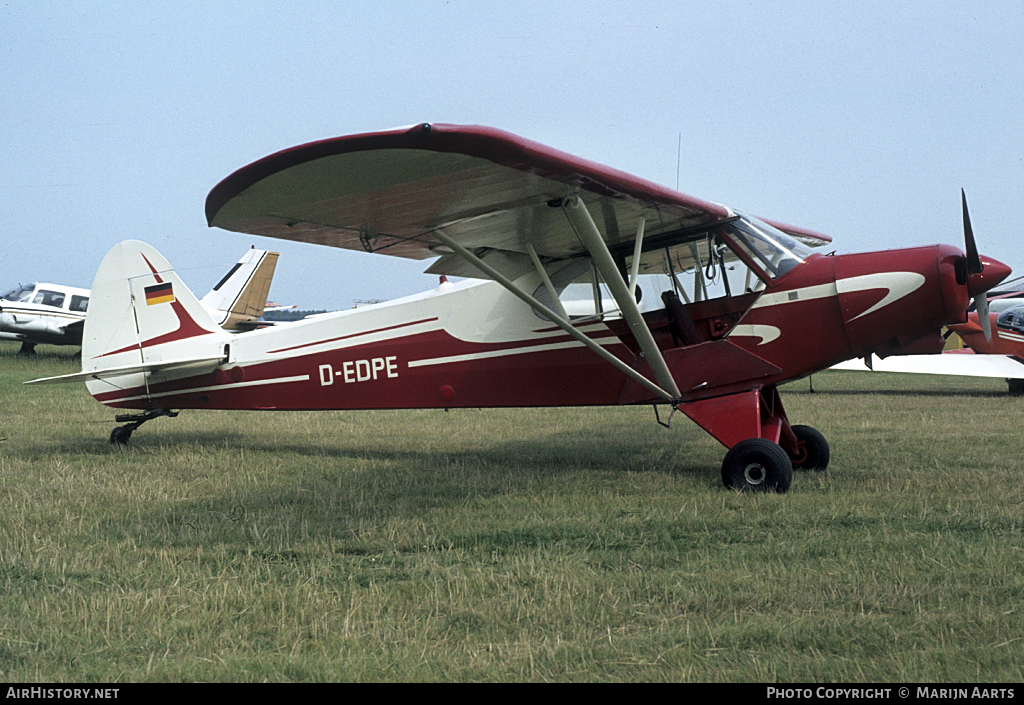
<point>140,312</point>
<point>240,297</point>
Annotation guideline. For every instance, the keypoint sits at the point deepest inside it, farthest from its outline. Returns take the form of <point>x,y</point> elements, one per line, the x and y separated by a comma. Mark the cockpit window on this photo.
<point>772,249</point>
<point>23,294</point>
<point>739,256</point>
<point>1012,319</point>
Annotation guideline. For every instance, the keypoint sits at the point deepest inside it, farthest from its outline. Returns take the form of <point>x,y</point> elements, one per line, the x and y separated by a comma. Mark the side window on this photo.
<point>49,298</point>
<point>79,303</point>
<point>580,292</point>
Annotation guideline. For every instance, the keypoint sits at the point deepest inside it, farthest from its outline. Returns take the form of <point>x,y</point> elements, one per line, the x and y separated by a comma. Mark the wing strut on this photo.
<point>555,318</point>
<point>587,230</point>
<point>637,250</point>
<point>543,273</point>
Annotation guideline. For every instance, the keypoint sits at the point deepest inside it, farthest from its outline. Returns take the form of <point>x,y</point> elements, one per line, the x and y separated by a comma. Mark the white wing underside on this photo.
<point>959,364</point>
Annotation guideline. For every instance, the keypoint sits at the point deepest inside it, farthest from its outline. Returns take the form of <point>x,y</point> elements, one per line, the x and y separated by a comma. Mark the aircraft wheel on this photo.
<point>1016,387</point>
<point>120,435</point>
<point>757,465</point>
<point>813,453</point>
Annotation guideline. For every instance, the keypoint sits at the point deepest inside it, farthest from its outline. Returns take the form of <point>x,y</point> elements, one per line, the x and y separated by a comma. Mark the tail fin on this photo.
<point>142,321</point>
<point>240,297</point>
<point>140,312</point>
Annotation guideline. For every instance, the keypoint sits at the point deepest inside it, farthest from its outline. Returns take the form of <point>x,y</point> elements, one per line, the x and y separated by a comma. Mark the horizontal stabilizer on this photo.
<point>197,365</point>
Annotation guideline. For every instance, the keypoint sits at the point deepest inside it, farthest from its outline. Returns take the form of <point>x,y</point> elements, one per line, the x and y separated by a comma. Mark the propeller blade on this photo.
<point>974,265</point>
<point>981,302</point>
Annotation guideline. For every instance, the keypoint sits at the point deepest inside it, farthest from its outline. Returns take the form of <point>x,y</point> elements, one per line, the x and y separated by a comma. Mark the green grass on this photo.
<point>509,545</point>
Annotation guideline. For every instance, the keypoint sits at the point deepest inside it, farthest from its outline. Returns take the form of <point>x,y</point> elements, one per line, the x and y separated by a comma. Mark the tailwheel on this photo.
<point>120,435</point>
<point>812,451</point>
<point>757,465</point>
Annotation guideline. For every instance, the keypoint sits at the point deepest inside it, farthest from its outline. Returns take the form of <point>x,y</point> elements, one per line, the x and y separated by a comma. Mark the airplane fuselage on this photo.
<point>473,344</point>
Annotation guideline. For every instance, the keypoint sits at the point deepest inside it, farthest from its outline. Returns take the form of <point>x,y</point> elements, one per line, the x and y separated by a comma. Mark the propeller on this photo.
<point>981,303</point>
<point>974,266</point>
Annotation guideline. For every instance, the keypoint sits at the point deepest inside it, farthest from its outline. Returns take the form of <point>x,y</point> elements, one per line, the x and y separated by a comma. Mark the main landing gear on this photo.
<point>764,449</point>
<point>121,434</point>
<point>759,465</point>
<point>812,451</point>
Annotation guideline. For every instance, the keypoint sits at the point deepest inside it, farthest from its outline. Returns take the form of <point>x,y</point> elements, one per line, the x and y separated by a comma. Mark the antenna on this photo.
<point>679,158</point>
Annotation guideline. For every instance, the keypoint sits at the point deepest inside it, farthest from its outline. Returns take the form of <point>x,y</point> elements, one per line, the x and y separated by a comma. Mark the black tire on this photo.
<point>1016,387</point>
<point>757,465</point>
<point>120,435</point>
<point>813,453</point>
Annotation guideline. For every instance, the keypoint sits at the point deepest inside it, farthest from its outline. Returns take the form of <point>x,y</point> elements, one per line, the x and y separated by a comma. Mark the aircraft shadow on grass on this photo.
<point>823,389</point>
<point>558,454</point>
<point>364,485</point>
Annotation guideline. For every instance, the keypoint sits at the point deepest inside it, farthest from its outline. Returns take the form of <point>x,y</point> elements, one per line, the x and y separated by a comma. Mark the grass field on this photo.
<point>509,545</point>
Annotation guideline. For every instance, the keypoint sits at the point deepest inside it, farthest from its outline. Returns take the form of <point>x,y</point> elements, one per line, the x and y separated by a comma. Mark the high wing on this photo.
<point>490,191</point>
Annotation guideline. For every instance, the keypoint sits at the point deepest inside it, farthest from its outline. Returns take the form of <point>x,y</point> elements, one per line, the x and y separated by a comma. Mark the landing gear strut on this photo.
<point>121,434</point>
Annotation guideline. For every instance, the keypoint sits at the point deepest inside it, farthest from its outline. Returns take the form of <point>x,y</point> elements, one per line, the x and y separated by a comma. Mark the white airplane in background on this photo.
<point>54,314</point>
<point>43,313</point>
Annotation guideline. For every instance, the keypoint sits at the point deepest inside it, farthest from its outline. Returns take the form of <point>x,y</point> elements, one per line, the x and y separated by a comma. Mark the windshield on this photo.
<point>22,294</point>
<point>775,251</point>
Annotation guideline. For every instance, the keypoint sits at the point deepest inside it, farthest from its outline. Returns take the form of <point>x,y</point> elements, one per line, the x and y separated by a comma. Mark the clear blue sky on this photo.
<point>858,119</point>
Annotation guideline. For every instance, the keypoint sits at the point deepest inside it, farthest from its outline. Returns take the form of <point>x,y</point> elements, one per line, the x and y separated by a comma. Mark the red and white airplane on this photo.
<point>997,352</point>
<point>528,224</point>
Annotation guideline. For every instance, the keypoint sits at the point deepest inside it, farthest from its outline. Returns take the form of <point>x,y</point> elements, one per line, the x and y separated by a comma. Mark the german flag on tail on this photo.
<point>159,294</point>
